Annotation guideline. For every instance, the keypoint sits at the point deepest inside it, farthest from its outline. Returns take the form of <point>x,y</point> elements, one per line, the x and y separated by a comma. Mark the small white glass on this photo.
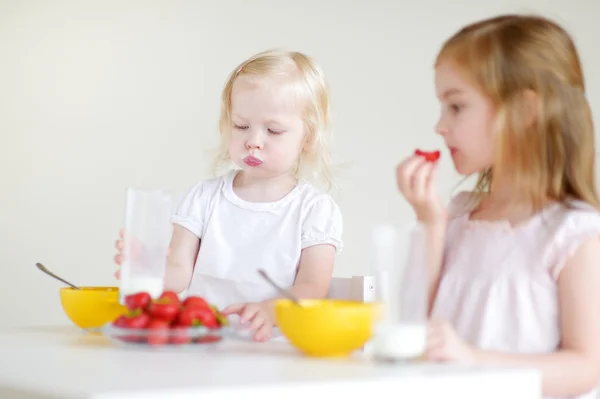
<point>401,290</point>
<point>146,238</point>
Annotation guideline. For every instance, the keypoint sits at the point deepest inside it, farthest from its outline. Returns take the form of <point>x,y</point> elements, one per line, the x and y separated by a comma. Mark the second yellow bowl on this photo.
<point>326,327</point>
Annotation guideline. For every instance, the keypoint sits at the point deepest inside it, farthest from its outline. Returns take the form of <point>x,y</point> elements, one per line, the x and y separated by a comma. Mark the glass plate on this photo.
<point>173,337</point>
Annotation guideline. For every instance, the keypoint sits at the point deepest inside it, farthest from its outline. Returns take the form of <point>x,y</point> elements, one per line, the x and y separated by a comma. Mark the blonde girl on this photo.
<point>263,212</point>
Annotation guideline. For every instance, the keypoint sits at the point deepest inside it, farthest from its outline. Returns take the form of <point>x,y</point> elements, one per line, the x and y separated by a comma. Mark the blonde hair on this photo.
<point>513,59</point>
<point>315,160</point>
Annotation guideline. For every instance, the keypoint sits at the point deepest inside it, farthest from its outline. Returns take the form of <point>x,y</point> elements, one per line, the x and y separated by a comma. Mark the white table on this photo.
<point>64,362</point>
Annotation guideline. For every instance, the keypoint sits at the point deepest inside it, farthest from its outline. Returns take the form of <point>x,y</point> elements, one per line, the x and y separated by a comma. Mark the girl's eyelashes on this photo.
<point>455,108</point>
<point>245,127</point>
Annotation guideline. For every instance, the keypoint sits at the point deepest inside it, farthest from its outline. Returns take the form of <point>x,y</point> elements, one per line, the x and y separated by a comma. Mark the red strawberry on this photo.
<point>158,332</point>
<point>430,156</point>
<point>120,322</point>
<point>171,296</point>
<point>163,309</point>
<point>220,318</point>
<point>179,336</point>
<point>196,302</point>
<point>137,319</point>
<point>189,317</point>
<point>141,300</point>
<point>206,317</point>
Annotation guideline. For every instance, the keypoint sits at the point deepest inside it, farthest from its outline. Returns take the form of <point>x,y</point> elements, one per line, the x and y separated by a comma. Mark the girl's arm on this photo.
<point>184,249</point>
<point>314,275</point>
<point>314,272</point>
<point>575,368</point>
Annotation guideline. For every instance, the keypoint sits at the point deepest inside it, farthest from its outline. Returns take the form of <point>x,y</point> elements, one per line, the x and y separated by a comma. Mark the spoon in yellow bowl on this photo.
<point>282,291</point>
<point>48,272</point>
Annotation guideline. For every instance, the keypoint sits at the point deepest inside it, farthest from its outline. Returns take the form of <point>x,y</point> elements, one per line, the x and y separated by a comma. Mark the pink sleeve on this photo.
<point>577,227</point>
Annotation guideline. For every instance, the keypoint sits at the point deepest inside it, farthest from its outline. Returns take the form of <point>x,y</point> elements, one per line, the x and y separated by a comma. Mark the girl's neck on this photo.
<point>263,189</point>
<point>504,193</point>
<point>503,202</point>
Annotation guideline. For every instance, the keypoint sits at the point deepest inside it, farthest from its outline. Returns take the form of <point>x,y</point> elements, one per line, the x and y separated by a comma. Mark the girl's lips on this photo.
<point>252,161</point>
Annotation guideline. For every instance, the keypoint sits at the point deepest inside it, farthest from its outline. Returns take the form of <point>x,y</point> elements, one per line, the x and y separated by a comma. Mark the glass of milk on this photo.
<point>147,233</point>
<point>401,289</point>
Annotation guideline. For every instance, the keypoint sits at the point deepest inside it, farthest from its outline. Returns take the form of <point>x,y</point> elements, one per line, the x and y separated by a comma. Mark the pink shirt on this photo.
<point>499,283</point>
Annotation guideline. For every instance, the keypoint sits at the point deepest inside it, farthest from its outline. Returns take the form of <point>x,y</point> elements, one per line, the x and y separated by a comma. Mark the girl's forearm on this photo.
<point>564,373</point>
<point>309,290</point>
<point>177,277</point>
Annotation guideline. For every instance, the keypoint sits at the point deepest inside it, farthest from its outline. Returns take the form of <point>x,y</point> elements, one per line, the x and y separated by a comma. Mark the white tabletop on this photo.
<point>64,362</point>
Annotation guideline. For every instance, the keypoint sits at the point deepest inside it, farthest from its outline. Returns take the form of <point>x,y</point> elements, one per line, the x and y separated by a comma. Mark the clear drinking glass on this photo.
<point>146,238</point>
<point>401,290</point>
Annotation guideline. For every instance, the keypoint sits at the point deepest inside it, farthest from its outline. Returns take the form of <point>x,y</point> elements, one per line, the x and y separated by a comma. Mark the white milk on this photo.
<point>399,341</point>
<point>134,284</point>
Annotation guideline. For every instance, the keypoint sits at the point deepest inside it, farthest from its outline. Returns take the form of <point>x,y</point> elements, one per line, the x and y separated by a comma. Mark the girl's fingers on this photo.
<point>118,259</point>
<point>263,333</point>
<point>420,180</point>
<point>431,179</point>
<point>405,172</point>
<point>248,314</point>
<point>233,309</point>
<point>259,321</point>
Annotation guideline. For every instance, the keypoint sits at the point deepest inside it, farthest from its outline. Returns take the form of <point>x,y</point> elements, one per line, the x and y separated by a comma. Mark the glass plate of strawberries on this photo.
<point>167,321</point>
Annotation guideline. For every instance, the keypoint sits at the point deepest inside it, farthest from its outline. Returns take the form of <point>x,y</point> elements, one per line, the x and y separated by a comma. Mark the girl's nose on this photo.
<point>440,128</point>
<point>254,142</point>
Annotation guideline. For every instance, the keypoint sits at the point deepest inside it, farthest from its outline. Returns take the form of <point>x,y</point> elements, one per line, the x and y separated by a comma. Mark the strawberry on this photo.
<point>137,319</point>
<point>120,321</point>
<point>430,156</point>
<point>206,317</point>
<point>190,317</point>
<point>163,309</point>
<point>158,332</point>
<point>222,320</point>
<point>171,296</point>
<point>179,336</point>
<point>195,302</point>
<point>140,300</point>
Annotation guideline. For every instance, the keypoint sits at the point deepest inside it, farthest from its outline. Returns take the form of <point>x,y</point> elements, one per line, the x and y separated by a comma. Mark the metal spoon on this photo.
<point>282,291</point>
<point>48,272</point>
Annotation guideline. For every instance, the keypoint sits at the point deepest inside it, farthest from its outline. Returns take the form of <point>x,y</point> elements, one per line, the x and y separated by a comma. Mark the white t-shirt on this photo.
<point>238,237</point>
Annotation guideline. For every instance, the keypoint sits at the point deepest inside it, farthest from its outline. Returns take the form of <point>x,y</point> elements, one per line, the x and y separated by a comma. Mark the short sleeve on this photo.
<point>577,227</point>
<point>191,209</point>
<point>323,224</point>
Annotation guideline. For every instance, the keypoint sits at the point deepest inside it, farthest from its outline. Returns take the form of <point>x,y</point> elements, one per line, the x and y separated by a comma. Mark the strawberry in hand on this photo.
<point>430,156</point>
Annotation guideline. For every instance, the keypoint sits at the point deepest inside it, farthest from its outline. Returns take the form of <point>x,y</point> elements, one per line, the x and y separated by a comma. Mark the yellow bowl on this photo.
<point>326,327</point>
<point>91,307</point>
